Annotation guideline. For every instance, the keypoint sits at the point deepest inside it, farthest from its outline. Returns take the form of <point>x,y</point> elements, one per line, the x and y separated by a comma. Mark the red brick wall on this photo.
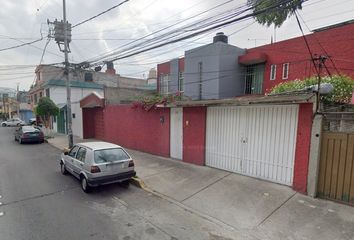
<point>337,43</point>
<point>138,129</point>
<point>194,133</point>
<point>302,151</point>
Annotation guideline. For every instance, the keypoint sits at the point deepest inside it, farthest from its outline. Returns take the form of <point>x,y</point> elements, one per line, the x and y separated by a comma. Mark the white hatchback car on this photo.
<point>97,163</point>
<point>13,122</point>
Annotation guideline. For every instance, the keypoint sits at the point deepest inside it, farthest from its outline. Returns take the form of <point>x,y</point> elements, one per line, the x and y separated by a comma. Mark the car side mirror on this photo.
<point>66,151</point>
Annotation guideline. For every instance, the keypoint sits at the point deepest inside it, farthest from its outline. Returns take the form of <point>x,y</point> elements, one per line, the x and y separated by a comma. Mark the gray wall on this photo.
<point>124,95</point>
<point>221,74</point>
<point>174,72</point>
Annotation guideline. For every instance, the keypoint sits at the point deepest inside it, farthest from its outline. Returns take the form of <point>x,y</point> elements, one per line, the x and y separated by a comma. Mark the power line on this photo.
<point>20,45</point>
<point>158,31</point>
<point>109,9</point>
<point>215,24</point>
<point>319,43</point>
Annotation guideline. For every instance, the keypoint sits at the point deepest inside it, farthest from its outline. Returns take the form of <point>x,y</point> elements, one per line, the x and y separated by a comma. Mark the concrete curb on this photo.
<point>138,182</point>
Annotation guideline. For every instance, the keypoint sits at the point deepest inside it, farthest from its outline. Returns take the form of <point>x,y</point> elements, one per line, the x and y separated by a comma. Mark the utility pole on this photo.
<point>66,73</point>
<point>18,100</point>
<point>321,63</point>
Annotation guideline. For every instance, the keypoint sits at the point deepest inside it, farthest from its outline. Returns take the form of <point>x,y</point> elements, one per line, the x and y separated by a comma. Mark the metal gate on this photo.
<point>257,141</point>
<point>176,136</point>
<point>336,174</point>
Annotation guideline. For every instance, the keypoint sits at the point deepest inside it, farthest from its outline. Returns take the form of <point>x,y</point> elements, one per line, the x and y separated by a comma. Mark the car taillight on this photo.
<point>41,134</point>
<point>131,163</point>
<point>95,169</point>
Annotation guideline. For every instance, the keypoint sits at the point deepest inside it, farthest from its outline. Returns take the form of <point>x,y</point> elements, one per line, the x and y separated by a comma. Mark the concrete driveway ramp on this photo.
<point>240,201</point>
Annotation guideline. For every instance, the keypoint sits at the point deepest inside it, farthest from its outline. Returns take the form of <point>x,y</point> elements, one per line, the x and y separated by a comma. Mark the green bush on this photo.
<point>343,87</point>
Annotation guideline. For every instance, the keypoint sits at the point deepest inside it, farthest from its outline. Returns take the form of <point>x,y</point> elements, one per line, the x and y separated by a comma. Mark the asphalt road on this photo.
<point>37,202</point>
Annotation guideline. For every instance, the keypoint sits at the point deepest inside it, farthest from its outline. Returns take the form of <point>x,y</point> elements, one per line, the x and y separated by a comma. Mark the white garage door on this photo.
<point>257,141</point>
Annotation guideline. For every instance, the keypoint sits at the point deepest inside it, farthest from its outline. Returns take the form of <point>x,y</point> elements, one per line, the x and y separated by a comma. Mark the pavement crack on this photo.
<point>206,187</point>
<point>38,196</point>
<point>154,174</point>
<point>271,214</point>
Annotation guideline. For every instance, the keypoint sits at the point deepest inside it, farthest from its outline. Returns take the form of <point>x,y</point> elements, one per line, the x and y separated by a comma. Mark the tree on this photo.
<point>343,87</point>
<point>276,15</point>
<point>45,109</point>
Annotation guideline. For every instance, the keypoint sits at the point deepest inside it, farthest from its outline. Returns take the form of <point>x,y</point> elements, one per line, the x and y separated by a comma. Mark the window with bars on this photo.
<point>285,70</point>
<point>254,79</point>
<point>273,71</point>
<point>180,81</point>
<point>164,82</point>
<point>200,71</point>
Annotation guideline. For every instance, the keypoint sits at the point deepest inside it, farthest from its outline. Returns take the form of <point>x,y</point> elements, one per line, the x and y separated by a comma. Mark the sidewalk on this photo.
<point>267,210</point>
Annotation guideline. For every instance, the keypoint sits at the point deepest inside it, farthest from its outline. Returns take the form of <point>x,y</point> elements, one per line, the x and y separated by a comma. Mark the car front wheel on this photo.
<point>84,185</point>
<point>4,124</point>
<point>63,169</point>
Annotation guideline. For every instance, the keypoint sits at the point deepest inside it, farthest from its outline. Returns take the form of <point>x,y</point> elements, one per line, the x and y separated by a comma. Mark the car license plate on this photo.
<point>117,166</point>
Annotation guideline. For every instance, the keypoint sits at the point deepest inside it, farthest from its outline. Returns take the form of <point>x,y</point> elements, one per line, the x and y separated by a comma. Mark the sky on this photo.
<point>24,21</point>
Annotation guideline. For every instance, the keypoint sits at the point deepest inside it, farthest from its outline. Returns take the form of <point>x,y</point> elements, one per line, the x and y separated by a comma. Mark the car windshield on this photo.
<point>110,155</point>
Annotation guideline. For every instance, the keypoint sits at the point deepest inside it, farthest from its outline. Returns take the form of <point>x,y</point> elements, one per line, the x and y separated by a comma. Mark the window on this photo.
<point>164,82</point>
<point>40,95</point>
<point>47,92</point>
<point>285,70</point>
<point>273,71</point>
<point>88,77</point>
<point>35,98</point>
<point>180,81</point>
<point>73,115</point>
<point>81,154</point>
<point>110,155</point>
<point>73,151</point>
<point>254,75</point>
<point>200,71</point>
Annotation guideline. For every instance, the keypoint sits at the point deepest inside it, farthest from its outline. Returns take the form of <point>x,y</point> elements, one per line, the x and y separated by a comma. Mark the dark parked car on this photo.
<point>29,134</point>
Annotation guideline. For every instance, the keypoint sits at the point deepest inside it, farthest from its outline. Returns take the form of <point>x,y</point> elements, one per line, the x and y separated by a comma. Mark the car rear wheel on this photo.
<point>4,124</point>
<point>63,169</point>
<point>84,185</point>
<point>125,184</point>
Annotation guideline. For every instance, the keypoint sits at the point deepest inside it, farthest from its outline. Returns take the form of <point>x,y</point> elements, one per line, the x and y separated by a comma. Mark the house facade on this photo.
<point>207,72</point>
<point>50,82</point>
<point>220,70</point>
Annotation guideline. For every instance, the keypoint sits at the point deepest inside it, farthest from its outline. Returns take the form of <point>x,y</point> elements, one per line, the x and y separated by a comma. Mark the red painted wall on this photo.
<point>302,152</point>
<point>93,124</point>
<point>88,123</point>
<point>98,116</point>
<point>181,64</point>
<point>194,134</point>
<point>336,42</point>
<point>138,129</point>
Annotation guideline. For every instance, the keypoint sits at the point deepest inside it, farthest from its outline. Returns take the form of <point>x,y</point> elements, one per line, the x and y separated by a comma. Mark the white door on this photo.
<point>257,141</point>
<point>176,133</point>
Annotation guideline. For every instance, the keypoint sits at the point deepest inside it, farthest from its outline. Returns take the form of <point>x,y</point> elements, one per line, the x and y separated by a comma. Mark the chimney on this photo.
<point>110,68</point>
<point>220,37</point>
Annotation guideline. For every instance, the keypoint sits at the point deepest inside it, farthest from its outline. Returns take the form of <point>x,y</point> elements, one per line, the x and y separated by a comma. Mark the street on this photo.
<point>40,203</point>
